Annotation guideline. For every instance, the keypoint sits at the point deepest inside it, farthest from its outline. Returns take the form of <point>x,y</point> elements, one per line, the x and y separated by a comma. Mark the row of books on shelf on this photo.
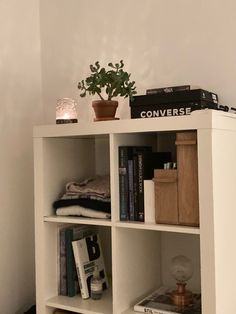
<point>136,164</point>
<point>80,254</point>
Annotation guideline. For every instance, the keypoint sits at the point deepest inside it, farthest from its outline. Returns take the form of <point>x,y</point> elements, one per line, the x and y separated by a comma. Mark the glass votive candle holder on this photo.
<point>66,111</point>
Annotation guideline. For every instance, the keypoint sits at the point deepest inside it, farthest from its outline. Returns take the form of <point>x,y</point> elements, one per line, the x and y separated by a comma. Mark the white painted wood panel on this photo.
<point>206,207</point>
<point>224,186</point>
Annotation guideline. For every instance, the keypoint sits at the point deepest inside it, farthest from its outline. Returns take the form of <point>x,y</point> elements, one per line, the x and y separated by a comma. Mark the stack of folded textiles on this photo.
<point>88,198</point>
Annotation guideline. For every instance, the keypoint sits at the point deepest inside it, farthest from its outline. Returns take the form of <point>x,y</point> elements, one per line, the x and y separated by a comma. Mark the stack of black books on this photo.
<point>172,101</point>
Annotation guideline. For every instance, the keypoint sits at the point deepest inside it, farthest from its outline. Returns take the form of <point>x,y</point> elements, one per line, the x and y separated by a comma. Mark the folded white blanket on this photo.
<point>77,210</point>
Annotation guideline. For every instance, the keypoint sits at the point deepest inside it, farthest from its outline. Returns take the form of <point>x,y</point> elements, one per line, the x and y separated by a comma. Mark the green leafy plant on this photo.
<point>114,81</point>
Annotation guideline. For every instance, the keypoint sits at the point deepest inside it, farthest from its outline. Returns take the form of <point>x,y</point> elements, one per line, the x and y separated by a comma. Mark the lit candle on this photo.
<point>66,111</point>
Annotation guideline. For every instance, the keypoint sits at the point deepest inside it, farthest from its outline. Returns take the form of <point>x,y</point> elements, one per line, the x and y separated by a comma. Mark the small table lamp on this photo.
<point>182,271</point>
<point>66,111</point>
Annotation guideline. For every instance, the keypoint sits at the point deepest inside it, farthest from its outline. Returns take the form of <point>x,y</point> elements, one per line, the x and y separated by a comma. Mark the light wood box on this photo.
<point>176,191</point>
<point>166,196</point>
<point>187,164</point>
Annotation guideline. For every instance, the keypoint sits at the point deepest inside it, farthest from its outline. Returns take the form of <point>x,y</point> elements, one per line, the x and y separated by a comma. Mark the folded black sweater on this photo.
<point>84,202</point>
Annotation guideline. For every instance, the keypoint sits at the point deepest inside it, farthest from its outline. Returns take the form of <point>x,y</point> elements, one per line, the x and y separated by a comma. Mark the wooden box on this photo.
<point>166,196</point>
<point>176,190</point>
<point>188,203</point>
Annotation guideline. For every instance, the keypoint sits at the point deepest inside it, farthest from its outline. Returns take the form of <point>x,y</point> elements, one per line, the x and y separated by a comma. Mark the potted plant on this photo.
<point>113,82</point>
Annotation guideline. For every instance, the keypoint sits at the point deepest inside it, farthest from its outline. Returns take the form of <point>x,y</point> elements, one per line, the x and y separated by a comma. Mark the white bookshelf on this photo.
<point>137,255</point>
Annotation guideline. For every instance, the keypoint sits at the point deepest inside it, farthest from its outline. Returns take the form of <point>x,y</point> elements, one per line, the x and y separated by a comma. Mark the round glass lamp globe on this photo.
<point>181,268</point>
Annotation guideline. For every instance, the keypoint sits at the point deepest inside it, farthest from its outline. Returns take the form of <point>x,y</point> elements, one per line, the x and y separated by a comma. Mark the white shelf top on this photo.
<point>78,220</point>
<point>78,305</point>
<point>158,227</point>
<point>200,119</point>
<point>123,224</point>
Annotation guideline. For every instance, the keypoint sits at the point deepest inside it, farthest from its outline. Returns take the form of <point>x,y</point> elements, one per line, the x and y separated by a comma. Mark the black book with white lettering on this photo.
<point>169,109</point>
<point>167,89</point>
<point>176,103</point>
<point>145,164</point>
<point>88,257</point>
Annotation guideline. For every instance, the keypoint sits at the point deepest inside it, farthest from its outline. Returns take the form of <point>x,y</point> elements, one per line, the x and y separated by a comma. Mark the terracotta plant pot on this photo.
<point>105,109</point>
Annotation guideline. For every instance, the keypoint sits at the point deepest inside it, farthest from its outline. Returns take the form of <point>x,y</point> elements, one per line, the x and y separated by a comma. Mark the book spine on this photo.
<point>79,270</point>
<point>169,109</point>
<point>70,264</point>
<point>136,177</point>
<point>131,188</point>
<point>135,186</point>
<point>175,98</point>
<point>140,183</point>
<point>63,272</point>
<point>123,183</point>
<point>168,89</point>
<point>149,201</point>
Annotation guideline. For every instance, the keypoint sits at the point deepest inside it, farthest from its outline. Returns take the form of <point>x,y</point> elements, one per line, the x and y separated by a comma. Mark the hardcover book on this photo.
<point>88,257</point>
<point>123,183</point>
<point>155,110</point>
<point>177,101</point>
<point>160,302</point>
<point>71,234</point>
<point>146,163</point>
<point>193,95</point>
<point>62,263</point>
<point>168,89</point>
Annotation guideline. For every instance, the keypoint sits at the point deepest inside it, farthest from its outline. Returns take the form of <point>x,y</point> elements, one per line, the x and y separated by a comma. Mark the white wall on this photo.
<point>163,42</point>
<point>20,109</point>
